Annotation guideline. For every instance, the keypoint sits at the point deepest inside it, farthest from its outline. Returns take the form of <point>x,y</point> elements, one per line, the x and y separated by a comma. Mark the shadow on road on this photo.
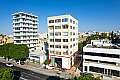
<point>17,75</point>
<point>54,78</point>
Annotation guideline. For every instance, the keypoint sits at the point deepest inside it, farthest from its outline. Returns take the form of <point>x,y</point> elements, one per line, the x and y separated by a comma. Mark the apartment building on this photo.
<point>43,41</point>
<point>62,40</point>
<point>25,28</point>
<point>102,57</point>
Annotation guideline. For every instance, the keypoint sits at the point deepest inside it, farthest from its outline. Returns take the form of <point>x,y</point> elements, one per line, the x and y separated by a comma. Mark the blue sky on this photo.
<point>95,15</point>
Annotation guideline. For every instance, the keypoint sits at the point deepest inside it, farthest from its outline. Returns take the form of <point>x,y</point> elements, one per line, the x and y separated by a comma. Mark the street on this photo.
<point>24,74</point>
<point>30,75</point>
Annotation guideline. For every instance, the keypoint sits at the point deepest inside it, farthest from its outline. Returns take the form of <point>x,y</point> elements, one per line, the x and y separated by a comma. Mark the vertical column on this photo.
<point>88,69</point>
<point>104,71</point>
<point>52,61</point>
<point>72,60</point>
<point>83,69</point>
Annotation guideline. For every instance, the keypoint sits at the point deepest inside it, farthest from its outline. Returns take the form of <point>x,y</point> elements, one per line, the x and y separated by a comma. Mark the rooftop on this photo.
<point>106,47</point>
<point>24,13</point>
<point>102,44</point>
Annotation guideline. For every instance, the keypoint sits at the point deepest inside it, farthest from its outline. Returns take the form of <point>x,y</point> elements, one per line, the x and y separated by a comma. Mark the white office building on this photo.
<point>62,40</point>
<point>101,57</point>
<point>25,28</point>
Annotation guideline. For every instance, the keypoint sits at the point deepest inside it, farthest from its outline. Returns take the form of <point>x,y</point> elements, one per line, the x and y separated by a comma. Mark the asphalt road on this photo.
<point>24,74</point>
<point>30,75</point>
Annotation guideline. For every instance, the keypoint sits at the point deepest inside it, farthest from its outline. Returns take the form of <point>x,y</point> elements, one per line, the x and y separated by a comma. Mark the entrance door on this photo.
<point>59,62</point>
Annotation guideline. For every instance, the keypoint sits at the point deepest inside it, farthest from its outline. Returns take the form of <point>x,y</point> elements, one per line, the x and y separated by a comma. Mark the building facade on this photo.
<point>62,40</point>
<point>25,28</point>
<point>103,57</point>
<point>43,41</point>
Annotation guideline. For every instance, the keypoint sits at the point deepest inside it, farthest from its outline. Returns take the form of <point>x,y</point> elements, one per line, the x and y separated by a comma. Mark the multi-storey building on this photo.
<point>25,29</point>
<point>43,41</point>
<point>62,40</point>
<point>101,56</point>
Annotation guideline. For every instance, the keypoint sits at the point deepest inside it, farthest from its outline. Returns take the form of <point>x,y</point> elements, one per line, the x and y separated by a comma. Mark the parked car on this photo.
<point>49,67</point>
<point>9,64</point>
<point>22,62</point>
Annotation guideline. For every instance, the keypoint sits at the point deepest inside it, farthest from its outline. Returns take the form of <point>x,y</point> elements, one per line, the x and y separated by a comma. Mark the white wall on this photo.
<point>66,63</point>
<point>102,50</point>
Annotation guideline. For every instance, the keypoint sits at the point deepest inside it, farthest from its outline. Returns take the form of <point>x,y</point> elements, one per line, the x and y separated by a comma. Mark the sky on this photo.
<point>93,15</point>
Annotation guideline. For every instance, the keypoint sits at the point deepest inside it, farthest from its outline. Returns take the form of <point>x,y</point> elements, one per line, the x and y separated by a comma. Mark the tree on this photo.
<point>80,46</point>
<point>86,77</point>
<point>15,51</point>
<point>21,52</point>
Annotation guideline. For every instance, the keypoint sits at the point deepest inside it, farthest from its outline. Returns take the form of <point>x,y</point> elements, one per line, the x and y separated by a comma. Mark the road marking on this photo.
<point>23,78</point>
<point>31,75</point>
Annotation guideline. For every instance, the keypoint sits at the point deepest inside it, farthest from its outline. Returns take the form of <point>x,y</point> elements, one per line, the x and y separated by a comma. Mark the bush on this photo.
<point>6,74</point>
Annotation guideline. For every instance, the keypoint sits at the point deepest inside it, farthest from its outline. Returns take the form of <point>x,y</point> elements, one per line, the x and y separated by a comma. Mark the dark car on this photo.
<point>22,62</point>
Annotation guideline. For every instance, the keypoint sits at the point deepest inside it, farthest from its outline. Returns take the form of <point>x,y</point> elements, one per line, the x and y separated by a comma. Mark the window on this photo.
<point>57,33</point>
<point>51,40</point>
<point>65,53</point>
<point>57,46</point>
<point>18,41</point>
<point>70,46</point>
<point>73,22</point>
<point>65,33</point>
<point>57,20</point>
<point>17,15</point>
<point>70,20</point>
<point>85,68</point>
<point>17,28</point>
<point>70,33</point>
<point>51,46</point>
<point>102,54</point>
<point>74,33</point>
<point>73,39</point>
<point>16,20</point>
<point>51,27</point>
<point>57,27</point>
<point>66,47</point>
<point>57,40</point>
<point>65,20</point>
<point>52,52</point>
<point>51,34</point>
<point>65,26</point>
<point>51,21</point>
<point>70,27</point>
<point>58,53</point>
<point>17,37</point>
<point>65,40</point>
<point>74,28</point>
<point>73,44</point>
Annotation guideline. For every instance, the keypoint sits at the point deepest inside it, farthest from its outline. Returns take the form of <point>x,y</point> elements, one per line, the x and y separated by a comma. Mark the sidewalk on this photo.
<point>37,68</point>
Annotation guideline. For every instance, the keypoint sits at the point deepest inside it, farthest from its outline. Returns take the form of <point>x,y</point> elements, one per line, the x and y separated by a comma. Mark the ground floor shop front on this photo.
<point>62,61</point>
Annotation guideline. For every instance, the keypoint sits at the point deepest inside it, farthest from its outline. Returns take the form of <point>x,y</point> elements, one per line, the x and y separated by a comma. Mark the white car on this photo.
<point>49,67</point>
<point>9,64</point>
